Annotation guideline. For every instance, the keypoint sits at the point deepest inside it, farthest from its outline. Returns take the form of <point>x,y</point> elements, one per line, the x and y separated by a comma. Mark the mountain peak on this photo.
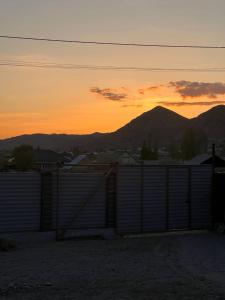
<point>160,111</point>
<point>159,108</point>
<point>217,108</point>
<point>214,111</point>
<point>212,122</point>
<point>160,123</point>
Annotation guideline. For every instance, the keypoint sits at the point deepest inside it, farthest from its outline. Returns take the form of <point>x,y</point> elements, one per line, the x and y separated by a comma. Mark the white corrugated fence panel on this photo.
<point>178,198</point>
<point>154,198</point>
<point>81,200</point>
<point>128,199</point>
<point>20,197</point>
<point>201,192</point>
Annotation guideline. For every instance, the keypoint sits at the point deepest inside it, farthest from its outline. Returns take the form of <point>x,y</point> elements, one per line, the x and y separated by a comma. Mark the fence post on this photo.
<point>46,201</point>
<point>189,198</point>
<point>108,187</point>
<point>167,197</point>
<point>212,200</point>
<point>110,196</point>
<point>142,196</point>
<point>115,187</point>
<point>58,233</point>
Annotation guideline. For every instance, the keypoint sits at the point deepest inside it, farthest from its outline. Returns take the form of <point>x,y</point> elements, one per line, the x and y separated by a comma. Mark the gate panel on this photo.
<point>20,198</point>
<point>81,201</point>
<point>160,198</point>
<point>218,208</point>
<point>129,204</point>
<point>178,198</point>
<point>155,199</point>
<point>201,186</point>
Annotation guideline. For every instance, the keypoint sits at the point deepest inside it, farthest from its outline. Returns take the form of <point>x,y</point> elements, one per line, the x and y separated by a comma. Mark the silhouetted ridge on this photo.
<point>159,125</point>
<point>212,122</point>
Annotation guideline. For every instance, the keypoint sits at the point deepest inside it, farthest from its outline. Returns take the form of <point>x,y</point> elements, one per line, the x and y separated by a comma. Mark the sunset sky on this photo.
<point>83,101</point>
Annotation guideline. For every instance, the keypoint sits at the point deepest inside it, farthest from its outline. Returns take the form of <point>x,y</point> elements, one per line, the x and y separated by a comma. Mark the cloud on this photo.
<point>148,89</point>
<point>187,103</point>
<point>132,105</point>
<point>197,89</point>
<point>109,94</point>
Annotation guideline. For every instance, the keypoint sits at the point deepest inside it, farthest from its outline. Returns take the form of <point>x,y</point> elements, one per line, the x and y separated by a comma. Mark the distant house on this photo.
<point>74,162</point>
<point>100,161</point>
<point>110,157</point>
<point>48,159</point>
<point>162,161</point>
<point>4,157</point>
<point>206,159</point>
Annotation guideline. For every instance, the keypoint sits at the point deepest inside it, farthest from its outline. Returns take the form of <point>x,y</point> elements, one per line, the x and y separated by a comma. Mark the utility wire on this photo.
<point>111,43</point>
<point>51,65</point>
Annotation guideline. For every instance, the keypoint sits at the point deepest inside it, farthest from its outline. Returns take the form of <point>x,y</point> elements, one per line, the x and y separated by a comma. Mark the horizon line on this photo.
<point>98,132</point>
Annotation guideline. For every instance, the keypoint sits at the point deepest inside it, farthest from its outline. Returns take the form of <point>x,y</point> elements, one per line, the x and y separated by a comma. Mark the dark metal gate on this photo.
<point>84,199</point>
<point>160,198</point>
<point>218,208</point>
<point>131,199</point>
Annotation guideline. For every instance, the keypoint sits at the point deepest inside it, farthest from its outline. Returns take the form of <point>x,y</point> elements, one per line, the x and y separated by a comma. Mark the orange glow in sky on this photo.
<point>46,101</point>
<point>36,100</point>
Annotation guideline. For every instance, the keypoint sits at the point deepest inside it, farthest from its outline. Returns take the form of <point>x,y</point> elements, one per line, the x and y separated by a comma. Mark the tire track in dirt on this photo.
<point>171,251</point>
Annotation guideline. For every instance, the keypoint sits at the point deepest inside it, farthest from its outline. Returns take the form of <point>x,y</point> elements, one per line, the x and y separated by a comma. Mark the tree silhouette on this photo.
<point>149,152</point>
<point>174,149</point>
<point>24,157</point>
<point>193,143</point>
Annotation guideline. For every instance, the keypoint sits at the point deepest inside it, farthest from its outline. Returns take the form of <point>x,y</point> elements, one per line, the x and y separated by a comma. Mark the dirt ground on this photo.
<point>183,266</point>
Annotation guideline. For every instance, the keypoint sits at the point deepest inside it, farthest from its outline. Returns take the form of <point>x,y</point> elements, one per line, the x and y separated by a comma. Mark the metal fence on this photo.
<point>20,201</point>
<point>80,200</point>
<point>160,198</point>
<point>131,199</point>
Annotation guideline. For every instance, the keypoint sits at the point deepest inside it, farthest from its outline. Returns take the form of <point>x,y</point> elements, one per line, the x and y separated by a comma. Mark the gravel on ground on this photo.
<point>181,266</point>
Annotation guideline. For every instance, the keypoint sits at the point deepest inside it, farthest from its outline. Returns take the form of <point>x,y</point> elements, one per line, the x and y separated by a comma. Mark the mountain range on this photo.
<point>161,124</point>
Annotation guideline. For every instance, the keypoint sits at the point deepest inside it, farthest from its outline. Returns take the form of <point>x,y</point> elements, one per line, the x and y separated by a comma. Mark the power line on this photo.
<point>52,65</point>
<point>111,43</point>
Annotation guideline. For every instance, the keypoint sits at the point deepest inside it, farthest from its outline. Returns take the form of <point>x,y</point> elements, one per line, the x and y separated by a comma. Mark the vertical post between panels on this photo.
<point>116,199</point>
<point>142,197</point>
<point>57,204</point>
<point>167,198</point>
<point>189,198</point>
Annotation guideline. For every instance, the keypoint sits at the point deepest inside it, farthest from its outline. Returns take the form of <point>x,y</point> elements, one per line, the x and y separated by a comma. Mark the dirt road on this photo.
<point>184,266</point>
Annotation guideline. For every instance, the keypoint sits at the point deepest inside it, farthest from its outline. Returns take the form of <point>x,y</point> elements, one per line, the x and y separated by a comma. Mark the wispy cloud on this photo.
<point>188,103</point>
<point>109,94</point>
<point>188,90</point>
<point>132,105</point>
<point>194,89</point>
<point>148,89</point>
